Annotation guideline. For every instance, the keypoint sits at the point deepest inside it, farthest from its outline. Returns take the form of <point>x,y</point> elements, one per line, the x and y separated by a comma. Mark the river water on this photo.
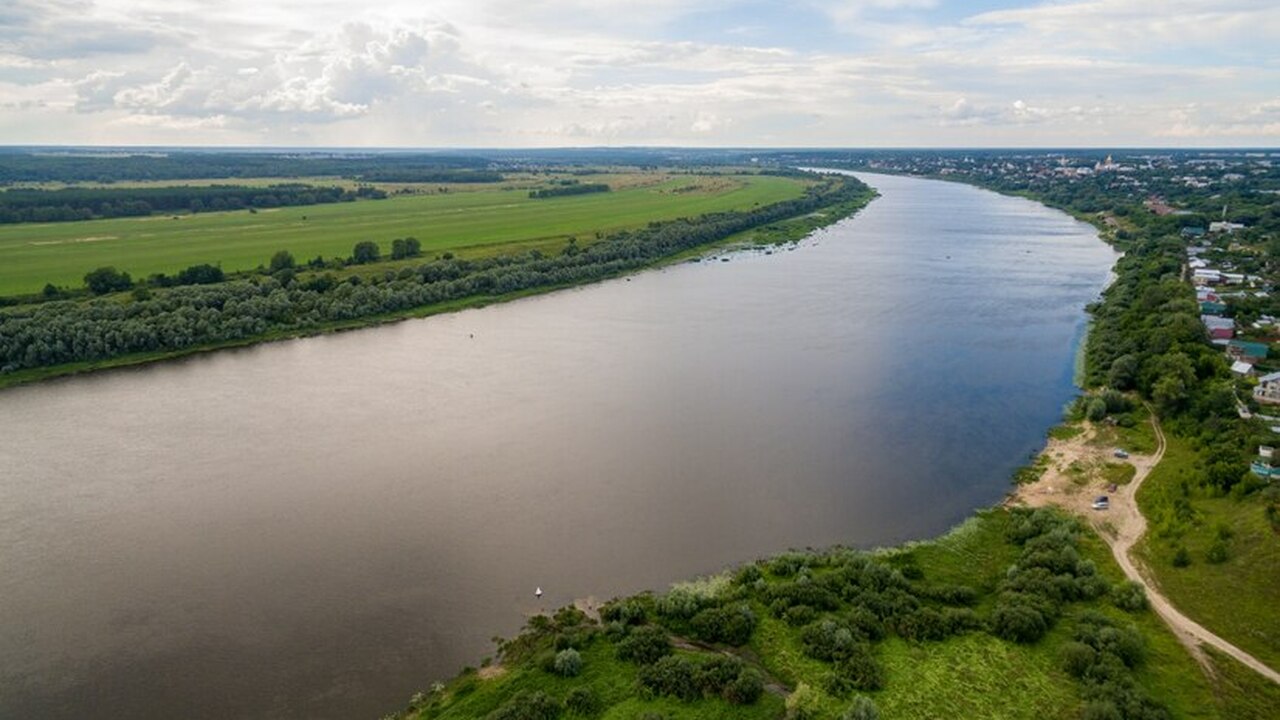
<point>319,528</point>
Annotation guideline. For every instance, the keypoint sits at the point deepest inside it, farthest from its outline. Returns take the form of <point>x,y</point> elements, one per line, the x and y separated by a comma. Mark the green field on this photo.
<point>1236,597</point>
<point>476,222</point>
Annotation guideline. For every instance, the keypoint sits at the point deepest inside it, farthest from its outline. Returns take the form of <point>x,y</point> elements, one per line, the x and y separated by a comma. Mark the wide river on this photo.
<point>319,528</point>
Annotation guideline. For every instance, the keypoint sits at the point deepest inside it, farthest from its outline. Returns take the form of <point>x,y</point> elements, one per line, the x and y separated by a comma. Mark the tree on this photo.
<point>107,279</point>
<point>365,251</point>
<point>568,663</point>
<point>282,260</point>
<point>804,703</point>
<point>1097,409</point>
<point>50,290</point>
<point>405,247</point>
<point>203,274</point>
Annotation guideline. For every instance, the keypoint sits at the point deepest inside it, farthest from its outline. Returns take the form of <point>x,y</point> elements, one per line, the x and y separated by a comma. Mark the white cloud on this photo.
<point>512,72</point>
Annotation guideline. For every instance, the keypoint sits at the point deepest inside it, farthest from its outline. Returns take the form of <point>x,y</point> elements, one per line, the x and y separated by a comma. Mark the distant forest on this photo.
<point>26,205</point>
<point>31,166</point>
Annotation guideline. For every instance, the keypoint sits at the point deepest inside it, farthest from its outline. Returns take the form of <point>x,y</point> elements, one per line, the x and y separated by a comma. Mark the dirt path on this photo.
<point>1122,526</point>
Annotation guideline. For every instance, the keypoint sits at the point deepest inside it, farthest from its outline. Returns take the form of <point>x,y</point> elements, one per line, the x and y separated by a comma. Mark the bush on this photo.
<point>1129,596</point>
<point>799,615</point>
<point>828,640</point>
<point>1077,658</point>
<point>582,701</point>
<point>627,612</point>
<point>804,704</point>
<point>730,624</point>
<point>1181,558</point>
<point>745,689</point>
<point>1018,621</point>
<point>862,709</point>
<point>644,645</point>
<point>860,669</point>
<point>1217,553</point>
<point>568,663</point>
<point>922,624</point>
<point>671,675</point>
<point>527,706</point>
<point>717,672</point>
<point>1096,410</point>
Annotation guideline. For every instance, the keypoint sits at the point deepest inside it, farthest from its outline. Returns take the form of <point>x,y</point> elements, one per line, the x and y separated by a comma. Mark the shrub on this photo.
<point>922,624</point>
<point>582,701</point>
<point>1129,596</point>
<point>627,612</point>
<point>730,624</point>
<point>1181,558</point>
<point>1077,658</point>
<point>828,640</point>
<point>527,706</point>
<point>745,689</point>
<point>799,615</point>
<point>671,675</point>
<point>1018,621</point>
<point>804,704</point>
<point>568,663</point>
<point>862,708</point>
<point>1217,553</point>
<point>1096,409</point>
<point>860,669</point>
<point>714,674</point>
<point>644,645</point>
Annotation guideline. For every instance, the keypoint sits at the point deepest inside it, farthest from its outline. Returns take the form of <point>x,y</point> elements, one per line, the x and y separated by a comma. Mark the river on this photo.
<point>318,528</point>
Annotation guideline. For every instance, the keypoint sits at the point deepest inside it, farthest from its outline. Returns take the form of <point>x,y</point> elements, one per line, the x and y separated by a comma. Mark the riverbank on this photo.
<point>772,232</point>
<point>928,627</point>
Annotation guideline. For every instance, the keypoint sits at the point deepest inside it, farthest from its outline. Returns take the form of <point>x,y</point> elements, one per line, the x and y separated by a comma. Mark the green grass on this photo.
<point>476,222</point>
<point>1237,599</point>
<point>1065,432</point>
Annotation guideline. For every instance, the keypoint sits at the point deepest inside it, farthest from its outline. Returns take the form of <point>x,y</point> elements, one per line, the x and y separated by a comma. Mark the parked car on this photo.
<point>1121,454</point>
<point>1102,502</point>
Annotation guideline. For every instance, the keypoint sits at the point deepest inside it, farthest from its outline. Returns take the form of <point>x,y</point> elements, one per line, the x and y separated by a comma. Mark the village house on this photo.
<point>1249,352</point>
<point>1222,226</point>
<point>1219,328</point>
<point>1241,368</point>
<point>1268,389</point>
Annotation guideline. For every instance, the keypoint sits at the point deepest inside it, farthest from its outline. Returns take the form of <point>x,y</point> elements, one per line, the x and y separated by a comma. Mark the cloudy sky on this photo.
<point>508,73</point>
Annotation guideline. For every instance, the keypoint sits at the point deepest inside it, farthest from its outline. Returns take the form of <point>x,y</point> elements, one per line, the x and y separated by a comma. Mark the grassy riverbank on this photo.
<point>476,222</point>
<point>921,631</point>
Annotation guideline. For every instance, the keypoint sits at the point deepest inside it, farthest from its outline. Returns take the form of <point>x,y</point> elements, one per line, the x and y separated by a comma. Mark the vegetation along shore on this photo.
<point>485,247</point>
<point>1036,608</point>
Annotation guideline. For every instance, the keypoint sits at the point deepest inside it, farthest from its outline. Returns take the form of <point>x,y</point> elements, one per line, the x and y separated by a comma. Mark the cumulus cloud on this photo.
<point>511,72</point>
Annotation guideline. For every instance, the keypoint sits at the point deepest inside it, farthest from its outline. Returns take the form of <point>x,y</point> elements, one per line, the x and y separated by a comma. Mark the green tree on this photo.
<point>1124,371</point>
<point>1097,409</point>
<point>365,251</point>
<point>282,260</point>
<point>405,247</point>
<point>107,279</point>
<point>568,663</point>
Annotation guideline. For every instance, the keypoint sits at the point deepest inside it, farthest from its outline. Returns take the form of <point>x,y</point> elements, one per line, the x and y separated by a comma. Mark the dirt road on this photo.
<point>1122,526</point>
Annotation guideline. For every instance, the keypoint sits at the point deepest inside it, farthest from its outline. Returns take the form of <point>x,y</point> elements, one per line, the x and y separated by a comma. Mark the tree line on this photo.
<point>68,204</point>
<point>573,188</point>
<point>174,319</point>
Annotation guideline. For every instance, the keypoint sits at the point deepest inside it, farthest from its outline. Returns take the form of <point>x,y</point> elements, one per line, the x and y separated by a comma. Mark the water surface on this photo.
<point>319,528</point>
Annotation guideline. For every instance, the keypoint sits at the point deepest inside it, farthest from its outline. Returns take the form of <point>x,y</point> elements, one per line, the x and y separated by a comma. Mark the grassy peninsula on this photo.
<point>485,245</point>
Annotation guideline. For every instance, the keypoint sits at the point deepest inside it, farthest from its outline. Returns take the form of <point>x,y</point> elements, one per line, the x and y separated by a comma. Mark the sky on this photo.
<point>553,73</point>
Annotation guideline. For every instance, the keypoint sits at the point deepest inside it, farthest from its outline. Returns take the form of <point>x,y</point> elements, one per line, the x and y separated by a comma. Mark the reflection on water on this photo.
<point>318,528</point>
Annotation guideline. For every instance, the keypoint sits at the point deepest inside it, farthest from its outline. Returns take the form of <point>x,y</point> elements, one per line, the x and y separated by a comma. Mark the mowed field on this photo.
<point>478,222</point>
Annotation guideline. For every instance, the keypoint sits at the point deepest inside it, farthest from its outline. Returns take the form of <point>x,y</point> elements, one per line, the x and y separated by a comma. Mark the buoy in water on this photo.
<point>537,593</point>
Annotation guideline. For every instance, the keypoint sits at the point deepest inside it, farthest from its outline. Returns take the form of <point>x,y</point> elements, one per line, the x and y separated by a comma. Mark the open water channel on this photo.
<point>318,528</point>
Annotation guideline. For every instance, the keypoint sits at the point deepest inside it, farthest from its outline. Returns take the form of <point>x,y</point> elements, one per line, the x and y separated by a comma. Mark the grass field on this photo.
<point>1236,598</point>
<point>476,222</point>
